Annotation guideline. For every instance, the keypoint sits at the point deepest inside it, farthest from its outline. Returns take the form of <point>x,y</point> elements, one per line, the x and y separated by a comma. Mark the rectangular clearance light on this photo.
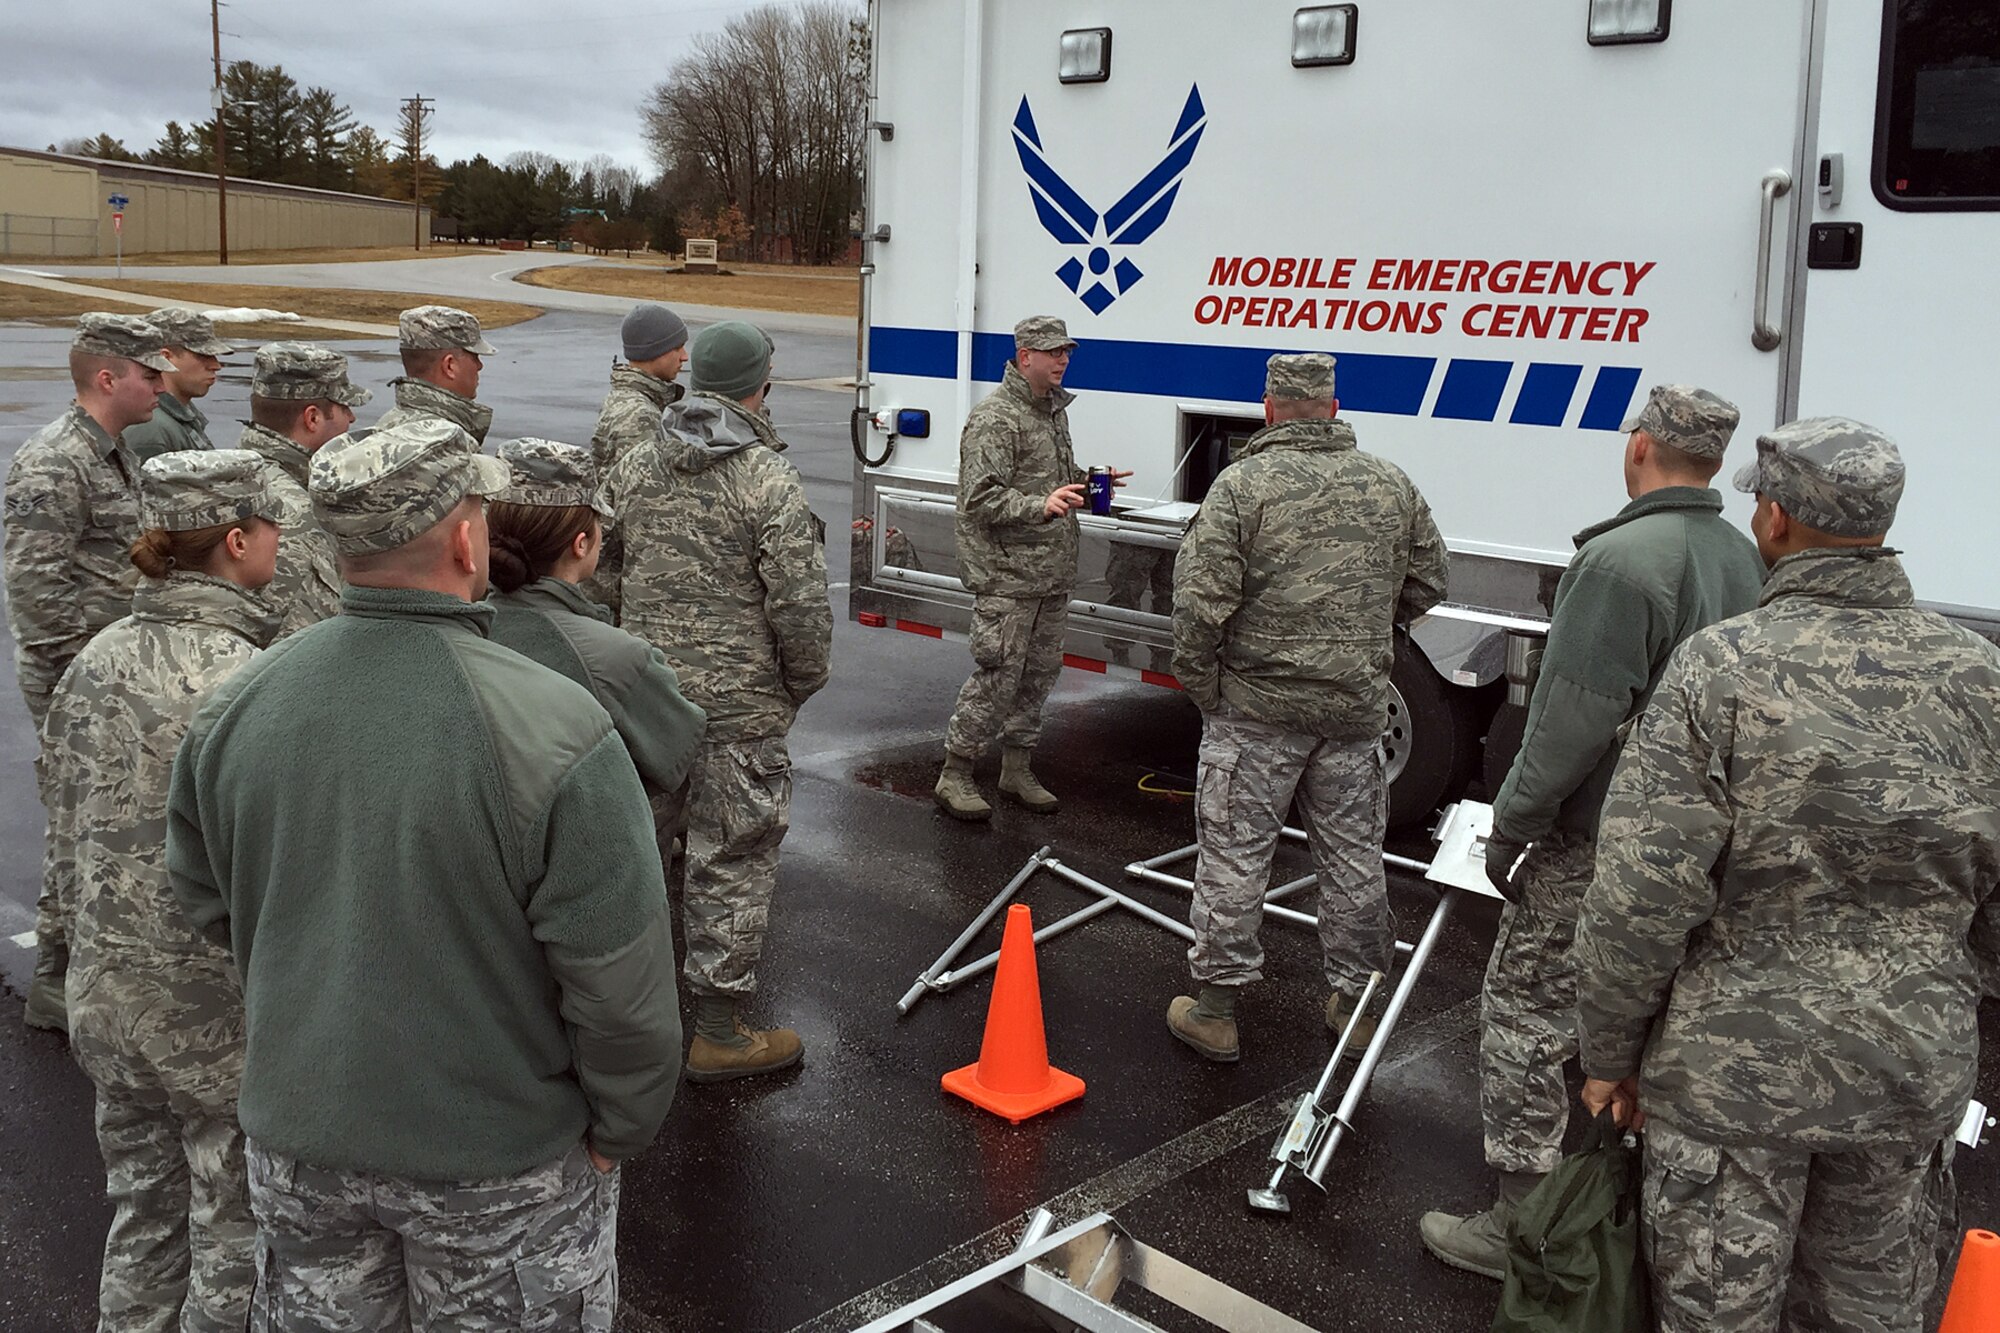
<point>1086,55</point>
<point>1323,35</point>
<point>1619,22</point>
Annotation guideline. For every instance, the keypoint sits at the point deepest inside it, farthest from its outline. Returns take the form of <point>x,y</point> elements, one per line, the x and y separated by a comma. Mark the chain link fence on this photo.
<point>27,236</point>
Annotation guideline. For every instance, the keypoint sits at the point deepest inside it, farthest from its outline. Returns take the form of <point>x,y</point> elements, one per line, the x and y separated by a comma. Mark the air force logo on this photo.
<point>1131,220</point>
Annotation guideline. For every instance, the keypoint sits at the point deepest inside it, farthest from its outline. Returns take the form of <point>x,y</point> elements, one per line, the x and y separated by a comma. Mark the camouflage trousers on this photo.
<point>1130,572</point>
<point>1753,1239</point>
<point>351,1250</point>
<point>51,935</point>
<point>1527,1011</point>
<point>1248,776</point>
<point>1016,657</point>
<point>739,808</point>
<point>166,1055</point>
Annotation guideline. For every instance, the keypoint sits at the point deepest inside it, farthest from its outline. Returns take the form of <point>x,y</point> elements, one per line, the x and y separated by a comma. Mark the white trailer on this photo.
<point>1506,221</point>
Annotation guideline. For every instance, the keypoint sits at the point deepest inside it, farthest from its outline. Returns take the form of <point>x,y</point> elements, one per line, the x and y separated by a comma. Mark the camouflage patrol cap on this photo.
<point>551,474</point>
<point>190,330</point>
<point>131,336</point>
<point>1691,420</point>
<point>304,373</point>
<point>1829,473</point>
<point>206,488</point>
<point>1307,376</point>
<point>440,327</point>
<point>377,493</point>
<point>1042,333</point>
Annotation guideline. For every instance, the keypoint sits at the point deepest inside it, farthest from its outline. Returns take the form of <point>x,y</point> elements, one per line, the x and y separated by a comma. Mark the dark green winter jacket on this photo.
<point>436,867</point>
<point>1664,566</point>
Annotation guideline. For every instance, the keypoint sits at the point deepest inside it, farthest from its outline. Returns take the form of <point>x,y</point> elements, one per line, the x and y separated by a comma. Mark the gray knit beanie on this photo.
<point>731,360</point>
<point>651,330</point>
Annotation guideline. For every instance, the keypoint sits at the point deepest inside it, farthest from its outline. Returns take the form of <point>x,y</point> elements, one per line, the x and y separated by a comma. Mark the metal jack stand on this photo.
<point>1314,1133</point>
<point>1069,1279</point>
<point>941,976</point>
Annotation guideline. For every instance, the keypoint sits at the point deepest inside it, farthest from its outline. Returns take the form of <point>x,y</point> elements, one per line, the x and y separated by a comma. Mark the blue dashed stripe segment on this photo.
<point>1369,382</point>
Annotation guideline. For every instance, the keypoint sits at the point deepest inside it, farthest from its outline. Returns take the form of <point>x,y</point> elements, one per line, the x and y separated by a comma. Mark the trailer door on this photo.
<point>1901,287</point>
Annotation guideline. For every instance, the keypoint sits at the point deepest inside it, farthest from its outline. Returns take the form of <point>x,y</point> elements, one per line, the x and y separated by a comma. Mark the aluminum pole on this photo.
<point>928,979</point>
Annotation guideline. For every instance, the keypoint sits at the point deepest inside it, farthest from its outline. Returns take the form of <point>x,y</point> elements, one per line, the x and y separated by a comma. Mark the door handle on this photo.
<point>1765,335</point>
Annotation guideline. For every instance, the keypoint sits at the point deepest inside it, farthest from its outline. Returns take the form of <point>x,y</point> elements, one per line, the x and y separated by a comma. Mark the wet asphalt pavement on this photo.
<point>819,1199</point>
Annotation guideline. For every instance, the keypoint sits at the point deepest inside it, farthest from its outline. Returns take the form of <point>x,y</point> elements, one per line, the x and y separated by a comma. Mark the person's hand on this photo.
<point>1063,499</point>
<point>1118,477</point>
<point>605,1166</point>
<point>1502,853</point>
<point>1621,1096</point>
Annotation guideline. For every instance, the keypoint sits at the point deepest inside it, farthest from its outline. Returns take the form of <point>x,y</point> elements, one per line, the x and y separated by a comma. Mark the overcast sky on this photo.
<point>508,75</point>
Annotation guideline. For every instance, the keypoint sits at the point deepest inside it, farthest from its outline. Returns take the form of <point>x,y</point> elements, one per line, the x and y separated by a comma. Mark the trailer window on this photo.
<point>1937,138</point>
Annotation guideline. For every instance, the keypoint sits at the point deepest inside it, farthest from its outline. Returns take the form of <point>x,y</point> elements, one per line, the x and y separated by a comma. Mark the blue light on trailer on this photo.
<point>915,422</point>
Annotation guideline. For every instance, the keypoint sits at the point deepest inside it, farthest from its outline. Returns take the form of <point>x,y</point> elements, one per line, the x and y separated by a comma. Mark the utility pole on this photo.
<point>415,110</point>
<point>221,138</point>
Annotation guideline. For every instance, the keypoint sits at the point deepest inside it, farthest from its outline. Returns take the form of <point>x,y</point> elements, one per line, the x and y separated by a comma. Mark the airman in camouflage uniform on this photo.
<point>1778,958</point>
<point>725,573</point>
<point>196,355</point>
<point>441,347</point>
<point>155,1010</point>
<point>300,398</point>
<point>1304,558</point>
<point>654,339</point>
<point>1664,566</point>
<point>1018,490</point>
<point>72,514</point>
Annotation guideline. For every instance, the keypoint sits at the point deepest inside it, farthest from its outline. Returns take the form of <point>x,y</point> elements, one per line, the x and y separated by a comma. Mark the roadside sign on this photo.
<point>118,222</point>
<point>118,201</point>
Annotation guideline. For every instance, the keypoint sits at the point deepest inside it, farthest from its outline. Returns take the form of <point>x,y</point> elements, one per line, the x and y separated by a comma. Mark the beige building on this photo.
<point>54,206</point>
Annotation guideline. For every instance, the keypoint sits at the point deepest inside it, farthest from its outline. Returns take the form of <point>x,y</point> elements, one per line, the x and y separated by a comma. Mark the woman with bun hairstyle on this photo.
<point>155,1009</point>
<point>545,533</point>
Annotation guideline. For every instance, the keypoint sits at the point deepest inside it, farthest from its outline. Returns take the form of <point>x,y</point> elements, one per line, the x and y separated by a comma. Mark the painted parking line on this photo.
<point>1122,1184</point>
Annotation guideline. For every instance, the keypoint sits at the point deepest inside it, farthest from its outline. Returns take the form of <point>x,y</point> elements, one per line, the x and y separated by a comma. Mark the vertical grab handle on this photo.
<point>1764,335</point>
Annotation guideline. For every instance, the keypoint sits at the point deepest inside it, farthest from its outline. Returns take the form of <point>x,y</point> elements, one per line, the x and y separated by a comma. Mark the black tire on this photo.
<point>1503,742</point>
<point>1432,740</point>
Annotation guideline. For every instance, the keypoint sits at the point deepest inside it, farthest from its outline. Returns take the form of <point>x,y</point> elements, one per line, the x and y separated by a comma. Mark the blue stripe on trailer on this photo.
<point>1391,385</point>
<point>1545,394</point>
<point>1472,390</point>
<point>1610,396</point>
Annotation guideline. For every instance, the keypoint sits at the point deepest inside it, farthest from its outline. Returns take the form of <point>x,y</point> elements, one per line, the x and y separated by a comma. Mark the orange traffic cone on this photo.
<point>1974,1306</point>
<point>1013,1077</point>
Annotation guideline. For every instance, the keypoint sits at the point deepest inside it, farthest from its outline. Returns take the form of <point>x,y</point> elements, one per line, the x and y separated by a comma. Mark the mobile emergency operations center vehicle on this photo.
<point>1506,221</point>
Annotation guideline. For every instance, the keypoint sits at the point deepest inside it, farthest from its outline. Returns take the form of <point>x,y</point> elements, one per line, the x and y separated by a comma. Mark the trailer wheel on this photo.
<point>1503,742</point>
<point>1432,742</point>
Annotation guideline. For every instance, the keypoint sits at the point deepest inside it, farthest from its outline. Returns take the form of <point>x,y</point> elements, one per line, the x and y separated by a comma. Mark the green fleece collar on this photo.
<point>1842,576</point>
<point>203,599</point>
<point>1016,384</point>
<point>551,594</point>
<point>185,413</point>
<point>436,608</point>
<point>1666,500</point>
<point>1316,433</point>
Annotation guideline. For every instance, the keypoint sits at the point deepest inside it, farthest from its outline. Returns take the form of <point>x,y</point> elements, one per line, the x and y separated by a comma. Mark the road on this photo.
<point>487,276</point>
<point>815,1200</point>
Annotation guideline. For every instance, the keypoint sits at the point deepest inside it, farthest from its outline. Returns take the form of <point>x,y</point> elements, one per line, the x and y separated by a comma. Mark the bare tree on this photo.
<point>765,117</point>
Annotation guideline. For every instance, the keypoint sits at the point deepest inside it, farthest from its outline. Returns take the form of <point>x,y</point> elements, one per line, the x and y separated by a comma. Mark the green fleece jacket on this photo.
<point>1664,566</point>
<point>435,866</point>
<point>175,426</point>
<point>555,624</point>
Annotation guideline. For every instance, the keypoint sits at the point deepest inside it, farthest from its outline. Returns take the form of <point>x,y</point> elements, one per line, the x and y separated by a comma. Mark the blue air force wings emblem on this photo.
<point>1092,273</point>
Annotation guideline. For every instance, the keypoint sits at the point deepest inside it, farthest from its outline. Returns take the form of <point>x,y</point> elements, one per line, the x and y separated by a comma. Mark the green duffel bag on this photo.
<point>1573,1263</point>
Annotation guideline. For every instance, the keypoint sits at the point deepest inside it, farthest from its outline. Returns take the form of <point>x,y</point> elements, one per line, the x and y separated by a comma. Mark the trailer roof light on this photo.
<point>1324,35</point>
<point>1086,55</point>
<point>1620,22</point>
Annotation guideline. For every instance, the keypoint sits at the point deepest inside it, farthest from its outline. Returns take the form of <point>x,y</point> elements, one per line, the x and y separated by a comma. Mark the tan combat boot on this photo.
<point>47,1007</point>
<point>1340,1008</point>
<point>1478,1243</point>
<point>1215,1038</point>
<point>1018,781</point>
<point>956,793</point>
<point>751,1054</point>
